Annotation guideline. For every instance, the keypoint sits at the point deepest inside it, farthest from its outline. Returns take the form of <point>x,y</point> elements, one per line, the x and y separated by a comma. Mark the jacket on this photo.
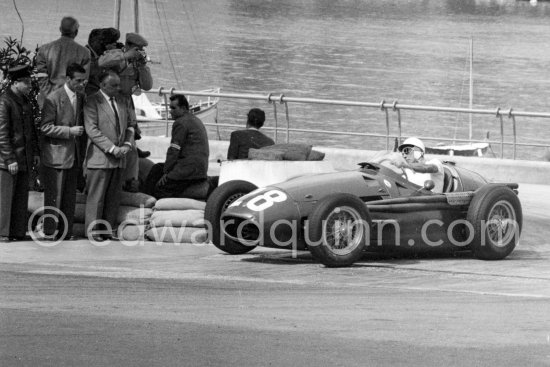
<point>18,136</point>
<point>187,156</point>
<point>100,124</point>
<point>58,148</point>
<point>242,140</point>
<point>53,59</point>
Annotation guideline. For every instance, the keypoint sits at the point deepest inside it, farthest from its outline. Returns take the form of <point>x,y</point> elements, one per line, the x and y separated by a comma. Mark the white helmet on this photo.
<point>412,142</point>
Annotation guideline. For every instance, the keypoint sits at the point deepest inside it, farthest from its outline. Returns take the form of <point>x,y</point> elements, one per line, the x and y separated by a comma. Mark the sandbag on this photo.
<point>133,214</point>
<point>137,199</point>
<point>315,155</point>
<point>177,218</point>
<point>177,234</point>
<point>290,152</point>
<point>179,204</point>
<point>197,191</point>
<point>131,232</point>
<point>265,155</point>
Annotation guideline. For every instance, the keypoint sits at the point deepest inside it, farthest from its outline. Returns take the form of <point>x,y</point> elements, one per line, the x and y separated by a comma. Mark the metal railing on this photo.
<point>385,107</point>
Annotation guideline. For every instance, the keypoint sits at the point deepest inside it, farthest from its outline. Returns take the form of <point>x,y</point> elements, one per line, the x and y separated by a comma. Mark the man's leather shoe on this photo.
<point>143,153</point>
<point>97,238</point>
<point>20,238</point>
<point>110,237</point>
<point>4,239</point>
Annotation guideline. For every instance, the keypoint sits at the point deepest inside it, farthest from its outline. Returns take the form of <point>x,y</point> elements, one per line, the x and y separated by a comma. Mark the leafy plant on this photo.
<point>14,54</point>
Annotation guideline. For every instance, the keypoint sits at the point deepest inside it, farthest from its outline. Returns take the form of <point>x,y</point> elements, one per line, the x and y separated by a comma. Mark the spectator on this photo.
<point>242,140</point>
<point>130,62</point>
<point>99,41</point>
<point>53,58</point>
<point>110,127</point>
<point>18,153</point>
<point>62,127</point>
<point>187,157</point>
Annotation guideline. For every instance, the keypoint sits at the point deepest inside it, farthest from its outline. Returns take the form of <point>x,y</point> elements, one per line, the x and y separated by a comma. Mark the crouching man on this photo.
<point>187,157</point>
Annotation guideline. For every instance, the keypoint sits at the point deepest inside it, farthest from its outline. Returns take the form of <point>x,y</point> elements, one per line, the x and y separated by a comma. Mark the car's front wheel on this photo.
<point>217,203</point>
<point>496,217</point>
<point>338,230</point>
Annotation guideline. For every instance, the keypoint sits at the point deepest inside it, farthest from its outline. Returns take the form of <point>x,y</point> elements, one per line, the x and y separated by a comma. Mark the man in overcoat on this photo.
<point>18,154</point>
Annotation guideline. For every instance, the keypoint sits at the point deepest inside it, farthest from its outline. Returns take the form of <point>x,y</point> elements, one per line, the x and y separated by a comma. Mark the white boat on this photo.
<point>155,120</point>
<point>463,149</point>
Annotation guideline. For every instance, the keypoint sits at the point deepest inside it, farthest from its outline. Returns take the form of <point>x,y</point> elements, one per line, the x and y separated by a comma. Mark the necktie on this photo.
<point>112,99</point>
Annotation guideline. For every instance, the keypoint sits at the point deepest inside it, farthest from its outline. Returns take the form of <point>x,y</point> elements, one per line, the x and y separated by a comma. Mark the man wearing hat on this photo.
<point>18,153</point>
<point>53,58</point>
<point>99,41</point>
<point>130,63</point>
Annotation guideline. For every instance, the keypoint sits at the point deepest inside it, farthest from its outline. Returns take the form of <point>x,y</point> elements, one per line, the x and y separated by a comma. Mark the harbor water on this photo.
<point>415,52</point>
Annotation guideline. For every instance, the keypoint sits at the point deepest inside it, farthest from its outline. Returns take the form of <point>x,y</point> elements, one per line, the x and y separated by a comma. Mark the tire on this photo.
<point>496,216</point>
<point>322,225</point>
<point>217,203</point>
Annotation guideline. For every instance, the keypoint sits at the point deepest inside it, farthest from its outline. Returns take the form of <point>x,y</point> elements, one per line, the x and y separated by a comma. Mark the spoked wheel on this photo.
<point>217,203</point>
<point>496,216</point>
<point>338,230</point>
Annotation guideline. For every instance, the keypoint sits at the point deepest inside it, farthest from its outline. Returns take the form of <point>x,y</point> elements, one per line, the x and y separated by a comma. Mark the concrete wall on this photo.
<point>496,170</point>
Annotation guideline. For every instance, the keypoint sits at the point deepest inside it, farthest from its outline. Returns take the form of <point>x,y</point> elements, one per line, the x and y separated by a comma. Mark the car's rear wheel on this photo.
<point>496,216</point>
<point>338,230</point>
<point>217,203</point>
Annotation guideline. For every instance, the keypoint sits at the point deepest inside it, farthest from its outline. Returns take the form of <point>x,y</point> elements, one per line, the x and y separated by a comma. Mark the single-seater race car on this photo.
<point>338,216</point>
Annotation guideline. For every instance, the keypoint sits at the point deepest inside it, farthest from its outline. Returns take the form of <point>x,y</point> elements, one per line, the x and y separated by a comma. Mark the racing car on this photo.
<point>338,216</point>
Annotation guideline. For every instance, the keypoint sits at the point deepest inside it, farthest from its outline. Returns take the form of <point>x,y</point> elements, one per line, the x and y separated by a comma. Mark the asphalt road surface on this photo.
<point>76,304</point>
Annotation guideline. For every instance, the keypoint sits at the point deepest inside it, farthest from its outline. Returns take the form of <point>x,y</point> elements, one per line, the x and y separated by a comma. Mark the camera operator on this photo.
<point>130,63</point>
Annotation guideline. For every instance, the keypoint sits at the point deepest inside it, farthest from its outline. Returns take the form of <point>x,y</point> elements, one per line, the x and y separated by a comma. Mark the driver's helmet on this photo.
<point>412,142</point>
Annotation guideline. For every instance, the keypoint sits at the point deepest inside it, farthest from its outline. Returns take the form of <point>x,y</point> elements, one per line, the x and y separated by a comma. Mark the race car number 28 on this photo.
<point>266,200</point>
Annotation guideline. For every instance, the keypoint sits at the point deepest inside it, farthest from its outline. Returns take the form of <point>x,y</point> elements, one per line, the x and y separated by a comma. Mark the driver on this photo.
<point>417,168</point>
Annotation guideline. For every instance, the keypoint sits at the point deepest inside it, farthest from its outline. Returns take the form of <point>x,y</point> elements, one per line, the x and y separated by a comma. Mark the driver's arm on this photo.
<point>422,167</point>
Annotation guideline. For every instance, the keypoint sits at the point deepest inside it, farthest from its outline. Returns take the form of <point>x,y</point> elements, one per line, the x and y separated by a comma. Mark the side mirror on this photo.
<point>429,185</point>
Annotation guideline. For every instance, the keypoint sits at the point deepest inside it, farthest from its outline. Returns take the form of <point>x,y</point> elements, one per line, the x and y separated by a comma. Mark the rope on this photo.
<point>21,19</point>
<point>166,43</point>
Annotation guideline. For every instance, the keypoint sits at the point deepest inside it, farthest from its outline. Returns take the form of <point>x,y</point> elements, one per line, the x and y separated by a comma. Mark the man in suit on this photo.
<point>187,157</point>
<point>53,58</point>
<point>130,62</point>
<point>242,140</point>
<point>18,153</point>
<point>110,126</point>
<point>62,127</point>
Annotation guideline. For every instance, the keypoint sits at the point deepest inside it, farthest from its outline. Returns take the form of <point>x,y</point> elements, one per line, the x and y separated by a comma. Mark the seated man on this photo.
<point>242,140</point>
<point>187,157</point>
<point>417,169</point>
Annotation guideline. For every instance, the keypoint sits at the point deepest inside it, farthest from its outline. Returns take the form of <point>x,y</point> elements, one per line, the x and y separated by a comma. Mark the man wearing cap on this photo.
<point>99,41</point>
<point>62,127</point>
<point>53,58</point>
<point>110,125</point>
<point>18,153</point>
<point>130,63</point>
